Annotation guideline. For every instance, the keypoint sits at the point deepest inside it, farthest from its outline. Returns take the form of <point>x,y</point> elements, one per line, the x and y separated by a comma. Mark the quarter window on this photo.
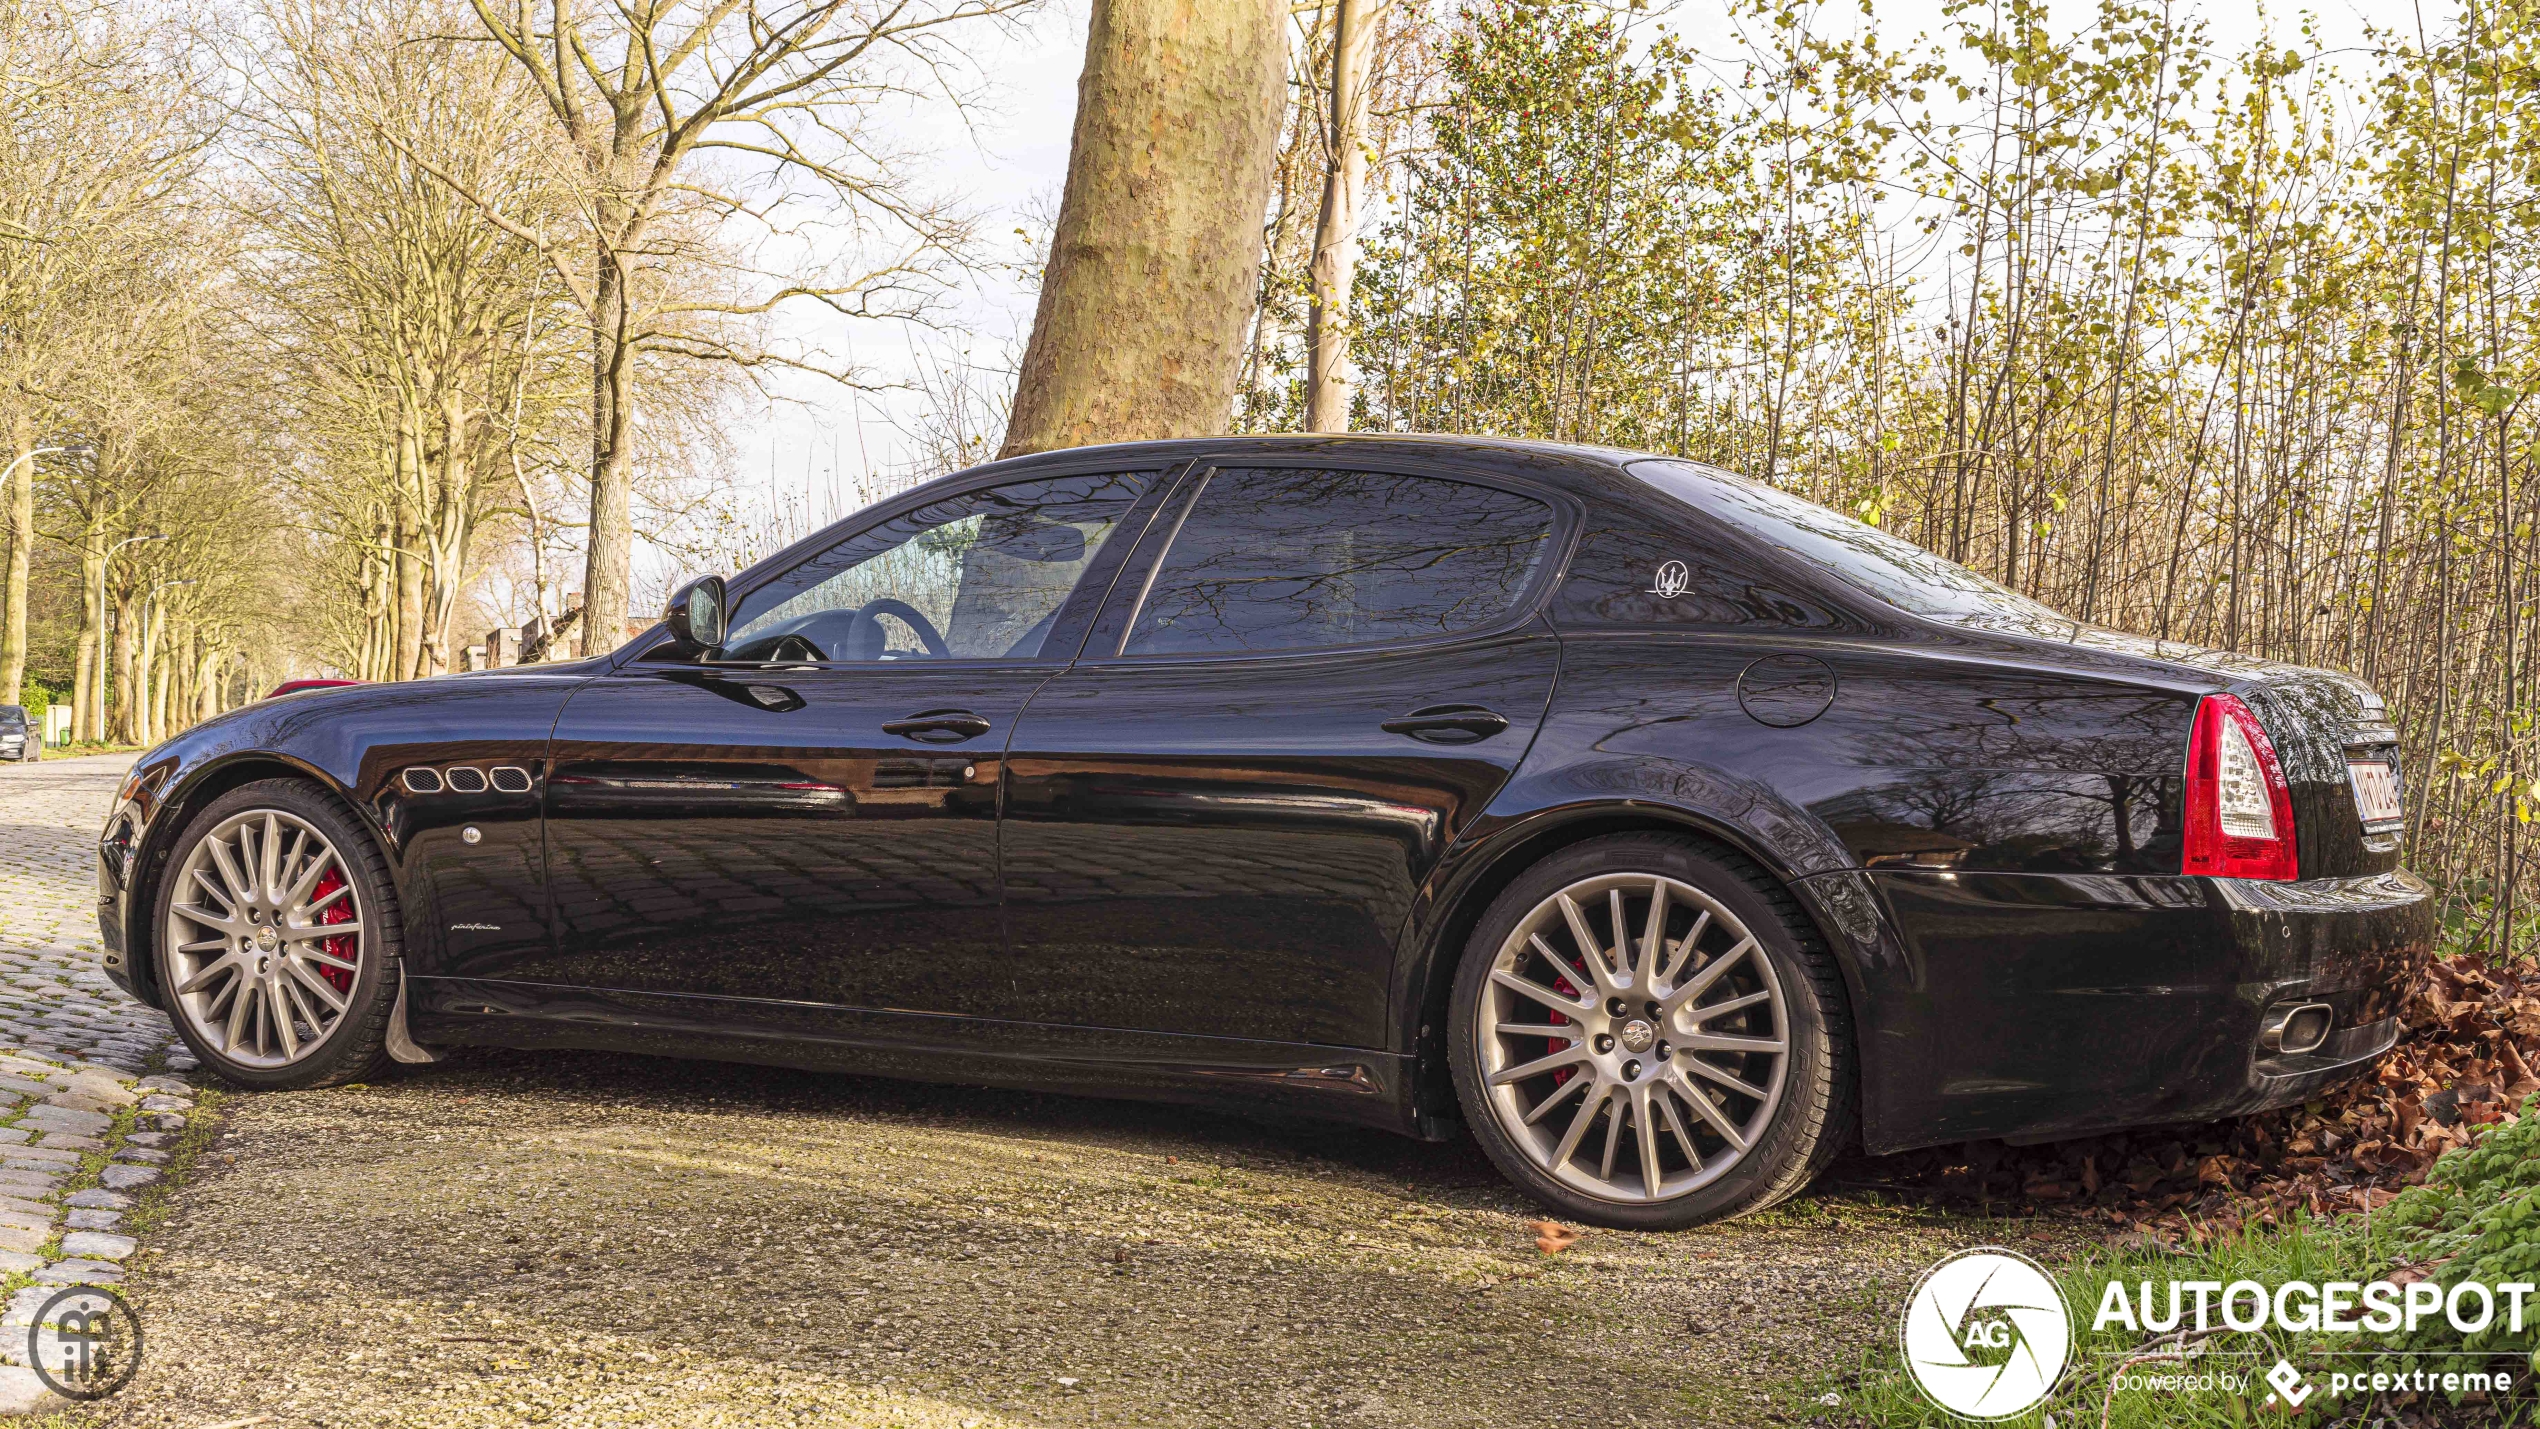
<point>1283,558</point>
<point>976,576</point>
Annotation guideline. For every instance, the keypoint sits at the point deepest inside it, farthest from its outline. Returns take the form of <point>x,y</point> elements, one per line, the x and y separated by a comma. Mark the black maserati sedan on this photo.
<point>1665,831</point>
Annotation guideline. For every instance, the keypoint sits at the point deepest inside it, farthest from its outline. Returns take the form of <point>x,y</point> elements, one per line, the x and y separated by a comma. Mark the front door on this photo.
<point>810,816</point>
<point>1306,686</point>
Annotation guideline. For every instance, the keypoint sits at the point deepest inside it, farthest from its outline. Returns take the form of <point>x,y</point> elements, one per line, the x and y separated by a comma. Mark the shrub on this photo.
<point>2477,1217</point>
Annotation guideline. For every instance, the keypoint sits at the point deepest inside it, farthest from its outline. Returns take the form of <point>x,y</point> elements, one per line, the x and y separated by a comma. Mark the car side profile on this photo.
<point>1666,831</point>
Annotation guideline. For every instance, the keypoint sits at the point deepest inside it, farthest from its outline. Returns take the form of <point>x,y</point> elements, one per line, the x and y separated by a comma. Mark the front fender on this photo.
<point>352,741</point>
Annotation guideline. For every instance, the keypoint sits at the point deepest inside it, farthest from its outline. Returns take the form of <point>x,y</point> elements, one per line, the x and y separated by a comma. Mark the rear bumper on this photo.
<point>2046,1006</point>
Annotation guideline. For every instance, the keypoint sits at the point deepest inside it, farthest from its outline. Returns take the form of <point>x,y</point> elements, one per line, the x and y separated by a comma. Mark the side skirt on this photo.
<point>1343,1084</point>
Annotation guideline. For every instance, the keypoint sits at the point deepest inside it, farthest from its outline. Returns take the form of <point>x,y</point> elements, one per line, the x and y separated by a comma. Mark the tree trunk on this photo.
<point>17,497</point>
<point>607,583</point>
<point>407,663</point>
<point>1151,272</point>
<point>1330,379</point>
<point>150,676</point>
<point>126,719</point>
<point>87,710</point>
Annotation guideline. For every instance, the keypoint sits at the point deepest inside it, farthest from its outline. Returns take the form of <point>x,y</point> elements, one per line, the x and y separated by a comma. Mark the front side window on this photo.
<point>980,576</point>
<point>1280,558</point>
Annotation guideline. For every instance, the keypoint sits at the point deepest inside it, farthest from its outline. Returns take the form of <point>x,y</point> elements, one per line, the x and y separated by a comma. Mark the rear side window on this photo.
<point>1285,558</point>
<point>1861,556</point>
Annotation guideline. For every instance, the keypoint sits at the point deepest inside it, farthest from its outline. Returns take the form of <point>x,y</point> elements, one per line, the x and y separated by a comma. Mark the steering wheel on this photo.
<point>793,650</point>
<point>868,628</point>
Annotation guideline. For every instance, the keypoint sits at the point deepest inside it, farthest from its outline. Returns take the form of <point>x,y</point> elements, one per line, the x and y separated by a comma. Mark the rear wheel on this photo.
<point>279,952</point>
<point>1648,1033</point>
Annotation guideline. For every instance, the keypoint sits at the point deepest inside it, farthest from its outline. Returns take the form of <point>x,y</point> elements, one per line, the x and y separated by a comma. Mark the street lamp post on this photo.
<point>100,692</point>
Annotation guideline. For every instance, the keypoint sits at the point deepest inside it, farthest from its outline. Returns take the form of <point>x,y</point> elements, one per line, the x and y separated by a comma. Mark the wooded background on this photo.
<point>376,311</point>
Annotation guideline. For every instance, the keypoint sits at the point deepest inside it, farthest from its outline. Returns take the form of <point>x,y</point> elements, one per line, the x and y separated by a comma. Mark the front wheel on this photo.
<point>279,952</point>
<point>1647,1033</point>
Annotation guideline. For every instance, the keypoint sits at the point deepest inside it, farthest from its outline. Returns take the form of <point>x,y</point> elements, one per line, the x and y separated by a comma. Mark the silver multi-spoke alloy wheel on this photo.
<point>1633,1037</point>
<point>265,937</point>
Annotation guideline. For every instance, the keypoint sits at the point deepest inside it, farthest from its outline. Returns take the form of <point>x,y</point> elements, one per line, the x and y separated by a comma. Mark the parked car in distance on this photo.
<point>293,687</point>
<point>19,738</point>
<point>1666,831</point>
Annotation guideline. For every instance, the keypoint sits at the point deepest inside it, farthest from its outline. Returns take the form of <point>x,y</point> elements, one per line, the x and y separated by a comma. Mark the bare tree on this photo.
<point>1153,267</point>
<point>1330,380</point>
<point>98,132</point>
<point>681,118</point>
<point>413,337</point>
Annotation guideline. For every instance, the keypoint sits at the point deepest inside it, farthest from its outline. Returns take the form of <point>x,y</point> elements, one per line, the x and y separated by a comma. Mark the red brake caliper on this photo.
<point>341,945</point>
<point>1561,1075</point>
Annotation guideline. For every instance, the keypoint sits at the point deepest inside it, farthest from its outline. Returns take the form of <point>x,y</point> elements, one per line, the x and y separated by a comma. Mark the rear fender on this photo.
<point>1537,814</point>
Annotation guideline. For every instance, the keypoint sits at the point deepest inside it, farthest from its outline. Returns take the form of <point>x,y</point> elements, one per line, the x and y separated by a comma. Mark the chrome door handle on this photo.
<point>1447,724</point>
<point>938,726</point>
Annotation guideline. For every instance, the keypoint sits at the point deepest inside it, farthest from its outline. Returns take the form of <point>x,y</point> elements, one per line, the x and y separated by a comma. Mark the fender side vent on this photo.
<point>421,781</point>
<point>511,779</point>
<point>464,780</point>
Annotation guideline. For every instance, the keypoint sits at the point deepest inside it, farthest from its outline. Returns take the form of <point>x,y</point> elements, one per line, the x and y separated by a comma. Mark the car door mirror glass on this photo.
<point>696,614</point>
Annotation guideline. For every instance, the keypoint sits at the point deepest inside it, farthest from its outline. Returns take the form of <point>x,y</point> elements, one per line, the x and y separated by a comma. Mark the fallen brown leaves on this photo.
<point>1552,1237</point>
<point>2473,1037</point>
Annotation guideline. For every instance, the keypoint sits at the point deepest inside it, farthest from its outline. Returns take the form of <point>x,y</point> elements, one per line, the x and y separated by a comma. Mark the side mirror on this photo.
<point>696,615</point>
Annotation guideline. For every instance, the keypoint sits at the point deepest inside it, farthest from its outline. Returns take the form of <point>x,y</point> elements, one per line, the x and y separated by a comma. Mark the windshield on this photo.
<point>1861,556</point>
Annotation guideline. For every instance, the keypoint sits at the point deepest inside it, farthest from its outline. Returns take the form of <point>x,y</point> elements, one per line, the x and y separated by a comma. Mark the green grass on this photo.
<point>2479,1215</point>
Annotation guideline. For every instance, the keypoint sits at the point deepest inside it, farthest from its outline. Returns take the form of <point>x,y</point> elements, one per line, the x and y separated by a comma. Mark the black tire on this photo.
<point>1815,1116</point>
<point>355,1046</point>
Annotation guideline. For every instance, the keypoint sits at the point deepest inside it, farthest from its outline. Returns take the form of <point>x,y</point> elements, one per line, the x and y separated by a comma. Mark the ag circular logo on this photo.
<point>84,1343</point>
<point>1986,1333</point>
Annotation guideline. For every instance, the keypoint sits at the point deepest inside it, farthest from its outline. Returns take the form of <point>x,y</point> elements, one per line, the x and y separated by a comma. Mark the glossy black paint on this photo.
<point>1222,878</point>
<point>1255,831</point>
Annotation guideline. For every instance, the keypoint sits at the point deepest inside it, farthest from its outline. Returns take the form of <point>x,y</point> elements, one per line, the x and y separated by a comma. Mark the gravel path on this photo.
<point>502,1239</point>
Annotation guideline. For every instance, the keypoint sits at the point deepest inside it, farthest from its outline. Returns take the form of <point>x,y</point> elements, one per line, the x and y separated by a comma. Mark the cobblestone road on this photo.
<point>88,1100</point>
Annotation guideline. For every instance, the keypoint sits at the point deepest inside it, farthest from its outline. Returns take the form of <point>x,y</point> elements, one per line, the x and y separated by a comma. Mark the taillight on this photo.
<point>2239,809</point>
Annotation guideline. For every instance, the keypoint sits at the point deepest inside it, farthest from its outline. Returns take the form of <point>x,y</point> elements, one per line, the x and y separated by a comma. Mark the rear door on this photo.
<point>1305,685</point>
<point>810,817</point>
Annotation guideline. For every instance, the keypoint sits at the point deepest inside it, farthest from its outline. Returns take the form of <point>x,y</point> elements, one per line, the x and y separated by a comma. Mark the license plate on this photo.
<point>2376,782</point>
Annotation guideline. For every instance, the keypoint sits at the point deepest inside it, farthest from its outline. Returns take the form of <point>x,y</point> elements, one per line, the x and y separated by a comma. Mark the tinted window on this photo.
<point>976,576</point>
<point>1290,558</point>
<point>12,714</point>
<point>1861,556</point>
